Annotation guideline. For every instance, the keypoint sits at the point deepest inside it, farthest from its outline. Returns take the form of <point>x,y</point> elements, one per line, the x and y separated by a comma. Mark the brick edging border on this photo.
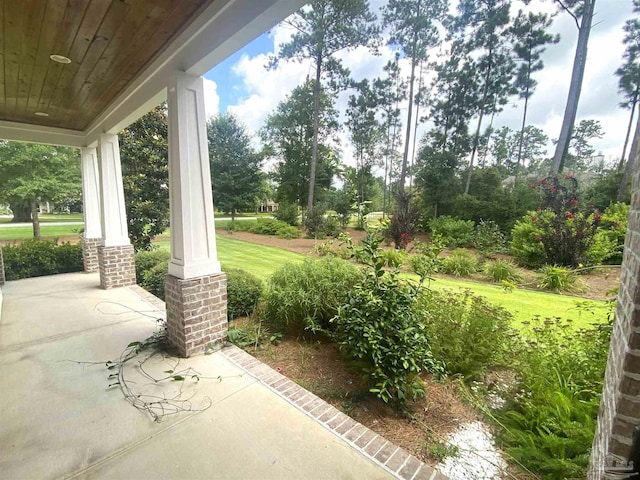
<point>392,458</point>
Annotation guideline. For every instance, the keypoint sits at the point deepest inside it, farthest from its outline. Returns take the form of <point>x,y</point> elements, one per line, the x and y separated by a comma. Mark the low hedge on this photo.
<point>36,258</point>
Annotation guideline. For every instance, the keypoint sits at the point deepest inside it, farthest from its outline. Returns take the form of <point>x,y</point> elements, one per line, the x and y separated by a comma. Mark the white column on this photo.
<point>91,193</point>
<point>193,240</point>
<point>114,215</point>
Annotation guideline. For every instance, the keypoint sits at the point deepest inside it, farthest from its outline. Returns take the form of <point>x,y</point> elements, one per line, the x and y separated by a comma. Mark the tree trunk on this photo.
<point>21,212</point>
<point>622,192</point>
<point>629,126</point>
<point>405,156</point>
<point>473,152</point>
<point>316,131</point>
<point>575,88</point>
<point>34,218</point>
<point>521,141</point>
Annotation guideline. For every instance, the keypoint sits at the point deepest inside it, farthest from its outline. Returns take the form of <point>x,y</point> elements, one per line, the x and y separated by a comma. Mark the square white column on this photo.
<point>91,193</point>
<point>114,215</point>
<point>193,240</point>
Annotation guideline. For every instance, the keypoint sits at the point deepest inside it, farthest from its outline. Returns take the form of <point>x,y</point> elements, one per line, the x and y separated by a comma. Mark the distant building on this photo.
<point>267,207</point>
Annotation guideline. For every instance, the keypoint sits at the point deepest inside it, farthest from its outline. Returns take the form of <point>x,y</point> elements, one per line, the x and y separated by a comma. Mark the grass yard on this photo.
<point>46,231</point>
<point>260,260</point>
<point>53,217</point>
<point>525,304</point>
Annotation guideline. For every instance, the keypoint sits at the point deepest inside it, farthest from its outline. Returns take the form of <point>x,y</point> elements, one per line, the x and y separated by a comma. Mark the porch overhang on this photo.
<point>215,30</point>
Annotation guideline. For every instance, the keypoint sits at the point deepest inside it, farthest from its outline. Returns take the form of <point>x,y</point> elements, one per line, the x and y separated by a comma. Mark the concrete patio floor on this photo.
<point>59,418</point>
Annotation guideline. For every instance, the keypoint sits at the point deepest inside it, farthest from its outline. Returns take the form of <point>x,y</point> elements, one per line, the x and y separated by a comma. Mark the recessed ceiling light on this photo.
<point>41,114</point>
<point>60,58</point>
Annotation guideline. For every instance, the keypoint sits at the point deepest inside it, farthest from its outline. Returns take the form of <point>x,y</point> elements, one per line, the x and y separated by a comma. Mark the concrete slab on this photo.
<point>60,418</point>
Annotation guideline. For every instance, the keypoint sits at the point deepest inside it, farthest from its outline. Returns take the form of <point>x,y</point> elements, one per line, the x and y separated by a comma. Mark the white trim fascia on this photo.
<point>26,132</point>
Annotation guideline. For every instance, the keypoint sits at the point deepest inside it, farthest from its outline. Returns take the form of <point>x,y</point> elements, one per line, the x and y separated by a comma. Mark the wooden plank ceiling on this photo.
<point>108,42</point>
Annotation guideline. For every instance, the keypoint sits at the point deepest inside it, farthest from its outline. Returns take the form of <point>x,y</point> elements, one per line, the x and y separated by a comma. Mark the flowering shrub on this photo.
<point>559,233</point>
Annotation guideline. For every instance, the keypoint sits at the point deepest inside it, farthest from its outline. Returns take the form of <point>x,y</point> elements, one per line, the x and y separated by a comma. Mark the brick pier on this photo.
<point>90,254</point>
<point>117,266</point>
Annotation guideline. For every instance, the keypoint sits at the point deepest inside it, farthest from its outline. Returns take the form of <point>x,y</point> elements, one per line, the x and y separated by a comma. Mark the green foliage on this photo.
<point>236,177</point>
<point>381,331</point>
<point>468,334</point>
<point>608,243</point>
<point>314,221</point>
<point>487,237</point>
<point>427,261</point>
<point>501,271</point>
<point>287,213</point>
<point>307,295</point>
<point>526,240</point>
<point>145,177</point>
<point>146,260</point>
<point>550,417</point>
<point>243,292</point>
<point>559,279</point>
<point>33,173</point>
<point>460,263</point>
<point>36,258</point>
<point>288,137</point>
<point>394,258</point>
<point>249,334</point>
<point>154,278</point>
<point>453,232</point>
<point>265,226</point>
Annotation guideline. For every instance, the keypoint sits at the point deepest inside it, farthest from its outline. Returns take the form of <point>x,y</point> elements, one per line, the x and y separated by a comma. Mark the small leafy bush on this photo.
<point>267,226</point>
<point>487,237</point>
<point>287,213</point>
<point>381,332</point>
<point>468,334</point>
<point>146,260</point>
<point>453,232</point>
<point>243,292</point>
<point>314,221</point>
<point>608,244</point>
<point>35,258</point>
<point>559,279</point>
<point>307,295</point>
<point>153,279</point>
<point>460,263</point>
<point>501,271</point>
<point>526,241</point>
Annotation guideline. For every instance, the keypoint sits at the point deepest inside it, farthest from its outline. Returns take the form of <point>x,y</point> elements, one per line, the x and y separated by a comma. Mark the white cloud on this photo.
<point>266,88</point>
<point>211,98</point>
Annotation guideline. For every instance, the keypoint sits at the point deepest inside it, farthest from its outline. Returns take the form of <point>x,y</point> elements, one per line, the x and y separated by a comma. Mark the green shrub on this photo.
<point>608,242</point>
<point>379,329</point>
<point>468,334</point>
<point>243,292</point>
<point>549,419</point>
<point>287,213</point>
<point>453,232</point>
<point>559,279</point>
<point>487,237</point>
<point>501,271</point>
<point>315,221</point>
<point>154,278</point>
<point>35,258</point>
<point>460,263</point>
<point>268,226</point>
<point>307,295</point>
<point>526,240</point>
<point>146,260</point>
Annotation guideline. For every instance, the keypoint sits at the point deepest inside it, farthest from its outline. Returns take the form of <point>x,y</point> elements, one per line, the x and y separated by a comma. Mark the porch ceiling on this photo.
<point>122,55</point>
<point>108,42</point>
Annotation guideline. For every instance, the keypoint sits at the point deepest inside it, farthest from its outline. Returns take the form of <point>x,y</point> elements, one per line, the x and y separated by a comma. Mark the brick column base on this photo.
<point>117,266</point>
<point>90,254</point>
<point>1,268</point>
<point>196,313</point>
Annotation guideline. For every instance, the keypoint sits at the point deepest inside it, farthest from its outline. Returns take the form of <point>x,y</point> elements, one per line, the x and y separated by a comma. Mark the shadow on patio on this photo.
<point>60,418</point>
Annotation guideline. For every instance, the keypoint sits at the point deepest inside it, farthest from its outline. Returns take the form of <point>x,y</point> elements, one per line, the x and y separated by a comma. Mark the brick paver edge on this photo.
<point>384,453</point>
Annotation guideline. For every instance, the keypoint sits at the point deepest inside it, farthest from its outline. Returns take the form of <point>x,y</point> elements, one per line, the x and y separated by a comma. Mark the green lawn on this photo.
<point>54,217</point>
<point>260,260</point>
<point>23,233</point>
<point>525,304</point>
